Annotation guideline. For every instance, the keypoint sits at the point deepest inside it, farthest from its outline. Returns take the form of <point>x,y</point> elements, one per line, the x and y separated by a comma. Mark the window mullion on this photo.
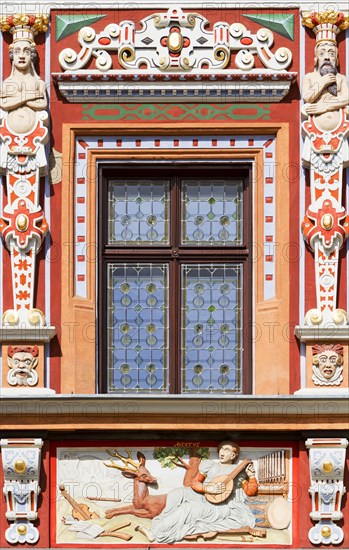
<point>175,289</point>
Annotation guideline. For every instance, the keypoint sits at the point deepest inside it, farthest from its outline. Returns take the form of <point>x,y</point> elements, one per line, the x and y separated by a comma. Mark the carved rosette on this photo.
<point>23,135</point>
<point>327,463</point>
<point>325,152</point>
<point>21,460</point>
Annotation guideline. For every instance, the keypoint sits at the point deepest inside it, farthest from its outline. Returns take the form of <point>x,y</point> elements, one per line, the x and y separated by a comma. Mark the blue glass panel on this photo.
<point>211,328</point>
<point>212,212</point>
<point>138,212</point>
<point>138,327</point>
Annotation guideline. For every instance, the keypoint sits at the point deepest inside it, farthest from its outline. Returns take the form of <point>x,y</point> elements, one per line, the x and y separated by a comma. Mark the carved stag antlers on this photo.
<point>131,467</point>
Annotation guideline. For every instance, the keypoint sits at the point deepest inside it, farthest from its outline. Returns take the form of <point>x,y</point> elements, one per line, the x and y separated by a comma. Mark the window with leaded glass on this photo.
<point>174,279</point>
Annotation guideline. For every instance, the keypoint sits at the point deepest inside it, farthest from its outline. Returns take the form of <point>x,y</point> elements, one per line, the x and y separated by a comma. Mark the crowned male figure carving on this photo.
<point>325,153</point>
<point>325,90</point>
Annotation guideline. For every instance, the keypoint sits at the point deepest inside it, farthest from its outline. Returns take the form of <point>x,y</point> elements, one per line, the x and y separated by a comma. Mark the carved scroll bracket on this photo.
<point>21,460</point>
<point>327,463</point>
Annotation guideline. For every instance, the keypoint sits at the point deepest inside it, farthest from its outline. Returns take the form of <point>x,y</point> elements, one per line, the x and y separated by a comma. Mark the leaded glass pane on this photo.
<point>211,212</point>
<point>211,339</point>
<point>138,327</point>
<point>138,212</point>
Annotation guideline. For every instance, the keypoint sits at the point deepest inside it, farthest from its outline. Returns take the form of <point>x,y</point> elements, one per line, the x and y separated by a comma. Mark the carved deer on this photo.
<point>143,504</point>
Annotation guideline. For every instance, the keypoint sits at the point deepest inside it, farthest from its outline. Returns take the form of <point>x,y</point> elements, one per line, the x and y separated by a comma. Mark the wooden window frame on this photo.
<point>175,256</point>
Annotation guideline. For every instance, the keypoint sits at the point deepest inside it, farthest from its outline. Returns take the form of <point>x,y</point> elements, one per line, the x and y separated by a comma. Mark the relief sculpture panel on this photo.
<point>173,493</point>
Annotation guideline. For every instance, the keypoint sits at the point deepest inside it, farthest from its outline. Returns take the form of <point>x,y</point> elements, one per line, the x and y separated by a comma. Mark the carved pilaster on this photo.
<point>325,153</point>
<point>21,460</point>
<point>327,463</point>
<point>23,135</point>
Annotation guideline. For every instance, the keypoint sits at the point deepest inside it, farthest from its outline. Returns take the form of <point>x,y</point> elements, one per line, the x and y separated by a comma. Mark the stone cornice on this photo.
<point>125,87</point>
<point>125,413</point>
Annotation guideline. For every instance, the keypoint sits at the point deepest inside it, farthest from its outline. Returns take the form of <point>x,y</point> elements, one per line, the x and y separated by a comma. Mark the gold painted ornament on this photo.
<point>327,466</point>
<point>20,466</point>
<point>326,531</point>
<point>22,529</point>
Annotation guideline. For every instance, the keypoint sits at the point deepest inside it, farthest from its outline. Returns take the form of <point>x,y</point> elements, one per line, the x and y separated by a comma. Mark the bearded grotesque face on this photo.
<point>326,62</point>
<point>22,362</point>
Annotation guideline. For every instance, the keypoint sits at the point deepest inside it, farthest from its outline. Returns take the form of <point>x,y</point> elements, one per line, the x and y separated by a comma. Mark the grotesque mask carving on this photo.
<point>327,365</point>
<point>22,362</point>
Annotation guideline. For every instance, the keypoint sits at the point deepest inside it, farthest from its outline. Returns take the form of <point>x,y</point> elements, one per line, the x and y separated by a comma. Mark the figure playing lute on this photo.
<point>219,488</point>
<point>189,513</point>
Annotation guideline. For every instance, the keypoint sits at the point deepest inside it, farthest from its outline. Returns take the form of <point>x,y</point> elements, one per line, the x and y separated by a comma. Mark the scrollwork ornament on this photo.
<point>22,532</point>
<point>265,35</point>
<point>10,317</point>
<point>244,60</point>
<point>126,55</point>
<point>103,61</point>
<point>211,49</point>
<point>222,55</point>
<point>36,317</point>
<point>87,34</point>
<point>340,317</point>
<point>237,30</point>
<point>313,317</point>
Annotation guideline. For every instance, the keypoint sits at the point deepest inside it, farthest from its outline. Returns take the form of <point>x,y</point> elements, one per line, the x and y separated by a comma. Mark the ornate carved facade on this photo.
<point>174,283</point>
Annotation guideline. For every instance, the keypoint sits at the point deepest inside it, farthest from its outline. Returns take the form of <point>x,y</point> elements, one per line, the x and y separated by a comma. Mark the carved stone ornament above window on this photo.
<point>173,56</point>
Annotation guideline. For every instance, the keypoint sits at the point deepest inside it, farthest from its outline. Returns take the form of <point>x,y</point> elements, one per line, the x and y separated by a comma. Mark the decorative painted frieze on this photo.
<point>21,460</point>
<point>325,153</point>
<point>327,463</point>
<point>23,135</point>
<point>174,56</point>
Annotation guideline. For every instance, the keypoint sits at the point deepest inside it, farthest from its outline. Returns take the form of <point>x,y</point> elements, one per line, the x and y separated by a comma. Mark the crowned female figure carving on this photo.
<point>23,99</point>
<point>23,135</point>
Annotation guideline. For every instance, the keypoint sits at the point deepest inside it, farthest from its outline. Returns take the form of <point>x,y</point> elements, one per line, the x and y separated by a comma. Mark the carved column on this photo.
<point>325,226</point>
<point>23,161</point>
<point>23,135</point>
<point>327,463</point>
<point>325,153</point>
<point>21,460</point>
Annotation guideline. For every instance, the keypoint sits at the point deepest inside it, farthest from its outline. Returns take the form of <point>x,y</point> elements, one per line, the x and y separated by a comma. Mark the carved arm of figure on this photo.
<point>249,486</point>
<point>318,101</point>
<point>314,85</point>
<point>13,96</point>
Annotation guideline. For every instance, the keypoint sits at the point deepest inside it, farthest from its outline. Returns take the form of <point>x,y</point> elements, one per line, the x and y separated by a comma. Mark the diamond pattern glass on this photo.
<point>211,332</point>
<point>211,212</point>
<point>138,327</point>
<point>138,212</point>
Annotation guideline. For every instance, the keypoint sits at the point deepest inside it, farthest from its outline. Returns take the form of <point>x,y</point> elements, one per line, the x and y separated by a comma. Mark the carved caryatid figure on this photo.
<point>325,90</point>
<point>327,364</point>
<point>23,92</point>
<point>325,153</point>
<point>23,135</point>
<point>22,362</point>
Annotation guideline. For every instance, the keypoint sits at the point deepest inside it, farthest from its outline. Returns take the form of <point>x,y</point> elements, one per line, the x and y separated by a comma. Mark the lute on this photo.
<point>227,482</point>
